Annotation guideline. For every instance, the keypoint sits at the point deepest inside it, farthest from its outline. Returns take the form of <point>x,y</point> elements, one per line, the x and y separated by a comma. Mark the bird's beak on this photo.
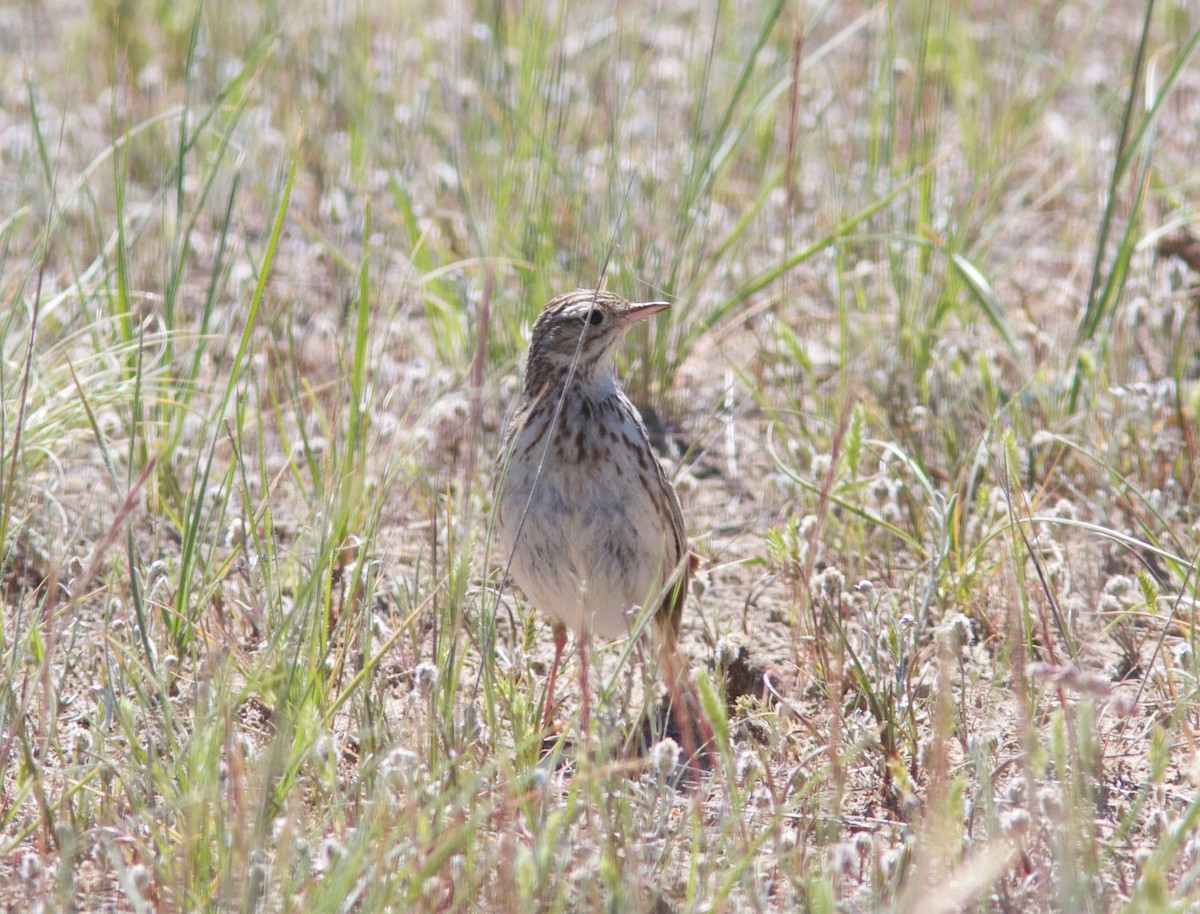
<point>639,311</point>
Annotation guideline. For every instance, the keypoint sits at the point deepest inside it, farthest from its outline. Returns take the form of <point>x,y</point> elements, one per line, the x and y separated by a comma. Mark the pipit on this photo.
<point>585,510</point>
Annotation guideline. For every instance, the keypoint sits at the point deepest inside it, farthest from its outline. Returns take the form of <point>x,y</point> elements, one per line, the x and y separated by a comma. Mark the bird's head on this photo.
<point>601,318</point>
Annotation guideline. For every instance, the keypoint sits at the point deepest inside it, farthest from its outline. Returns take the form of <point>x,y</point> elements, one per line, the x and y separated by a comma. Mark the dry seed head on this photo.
<point>958,630</point>
<point>889,861</point>
<point>399,767</point>
<point>1015,823</point>
<point>882,490</point>
<point>1050,802</point>
<point>1120,586</point>
<point>330,853</point>
<point>747,766</point>
<point>845,859</point>
<point>31,868</point>
<point>139,876</point>
<point>727,652</point>
<point>830,582</point>
<point>424,678</point>
<point>665,756</point>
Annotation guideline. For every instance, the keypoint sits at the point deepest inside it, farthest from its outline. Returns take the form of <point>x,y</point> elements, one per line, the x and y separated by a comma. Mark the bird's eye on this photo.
<point>596,318</point>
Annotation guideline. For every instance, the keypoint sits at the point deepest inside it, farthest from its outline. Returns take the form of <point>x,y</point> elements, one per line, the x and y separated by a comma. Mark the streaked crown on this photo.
<point>592,322</point>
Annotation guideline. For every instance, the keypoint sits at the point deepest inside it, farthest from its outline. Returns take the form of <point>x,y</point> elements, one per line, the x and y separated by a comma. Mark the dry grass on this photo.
<point>930,395</point>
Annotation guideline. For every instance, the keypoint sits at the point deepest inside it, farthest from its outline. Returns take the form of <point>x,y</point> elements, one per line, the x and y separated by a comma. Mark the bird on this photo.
<point>586,515</point>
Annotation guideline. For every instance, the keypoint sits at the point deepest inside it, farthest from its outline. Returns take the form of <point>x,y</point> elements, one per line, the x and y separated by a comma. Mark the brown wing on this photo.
<point>671,614</point>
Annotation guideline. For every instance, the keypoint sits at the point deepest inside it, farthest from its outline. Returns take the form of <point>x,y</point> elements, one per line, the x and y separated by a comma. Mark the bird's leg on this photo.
<point>644,670</point>
<point>560,641</point>
<point>685,708</point>
<point>585,708</point>
<point>679,709</point>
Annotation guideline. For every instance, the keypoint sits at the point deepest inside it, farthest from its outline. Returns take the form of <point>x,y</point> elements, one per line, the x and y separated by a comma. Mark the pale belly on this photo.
<point>588,556</point>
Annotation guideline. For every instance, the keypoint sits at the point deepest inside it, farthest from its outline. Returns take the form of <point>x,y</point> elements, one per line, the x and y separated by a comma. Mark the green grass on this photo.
<point>928,391</point>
